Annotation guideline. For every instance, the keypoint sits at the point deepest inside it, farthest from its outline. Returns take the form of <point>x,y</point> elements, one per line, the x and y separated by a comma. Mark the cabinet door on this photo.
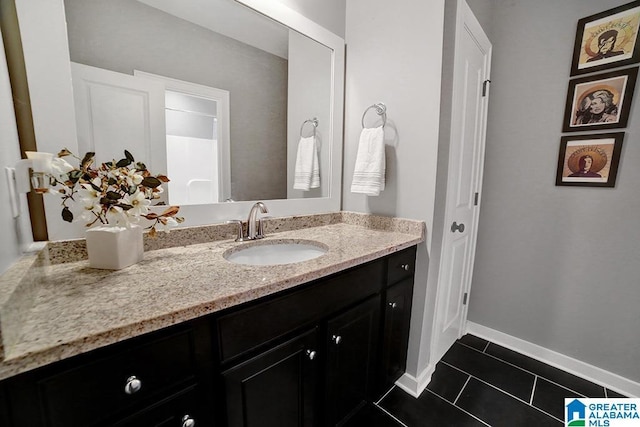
<point>353,342</point>
<point>4,408</point>
<point>397,316</point>
<point>276,388</point>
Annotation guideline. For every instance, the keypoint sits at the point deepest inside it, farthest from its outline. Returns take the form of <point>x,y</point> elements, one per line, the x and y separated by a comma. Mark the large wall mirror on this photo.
<point>216,94</point>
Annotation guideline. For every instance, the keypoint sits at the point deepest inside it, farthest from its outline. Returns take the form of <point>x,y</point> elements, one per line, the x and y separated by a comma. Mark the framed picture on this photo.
<point>607,40</point>
<point>600,102</point>
<point>589,160</point>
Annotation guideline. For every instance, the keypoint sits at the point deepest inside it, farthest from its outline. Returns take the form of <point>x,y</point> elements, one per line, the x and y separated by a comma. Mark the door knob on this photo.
<point>455,227</point>
<point>311,354</point>
<point>336,339</point>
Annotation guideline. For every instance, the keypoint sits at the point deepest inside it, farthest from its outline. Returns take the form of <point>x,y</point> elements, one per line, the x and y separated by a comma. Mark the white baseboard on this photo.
<point>589,372</point>
<point>415,386</point>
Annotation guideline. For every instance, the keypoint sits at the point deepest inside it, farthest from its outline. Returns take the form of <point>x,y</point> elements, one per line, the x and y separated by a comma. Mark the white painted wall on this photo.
<point>15,233</point>
<point>555,266</point>
<point>394,52</point>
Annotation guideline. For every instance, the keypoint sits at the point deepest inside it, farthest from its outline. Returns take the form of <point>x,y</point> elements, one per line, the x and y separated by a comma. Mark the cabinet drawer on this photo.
<point>401,265</point>
<point>244,330</point>
<point>173,411</point>
<point>93,393</point>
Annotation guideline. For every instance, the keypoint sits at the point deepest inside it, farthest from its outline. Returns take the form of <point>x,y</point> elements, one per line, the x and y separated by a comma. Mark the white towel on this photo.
<point>307,171</point>
<point>368,176</point>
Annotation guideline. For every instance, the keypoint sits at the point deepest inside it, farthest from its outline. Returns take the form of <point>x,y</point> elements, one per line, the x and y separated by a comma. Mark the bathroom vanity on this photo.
<point>226,344</point>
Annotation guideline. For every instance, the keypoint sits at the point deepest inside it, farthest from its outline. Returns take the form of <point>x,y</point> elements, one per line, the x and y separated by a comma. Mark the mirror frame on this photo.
<point>47,62</point>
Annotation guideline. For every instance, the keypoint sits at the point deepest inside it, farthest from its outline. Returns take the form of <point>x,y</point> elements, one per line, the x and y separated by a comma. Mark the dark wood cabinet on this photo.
<point>132,380</point>
<point>175,411</point>
<point>275,388</point>
<point>4,407</point>
<point>397,317</point>
<point>308,356</point>
<point>352,339</point>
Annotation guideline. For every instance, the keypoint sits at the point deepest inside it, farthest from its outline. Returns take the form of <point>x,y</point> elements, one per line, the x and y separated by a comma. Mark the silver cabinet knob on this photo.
<point>405,267</point>
<point>336,339</point>
<point>133,385</point>
<point>311,354</point>
<point>393,304</point>
<point>187,421</point>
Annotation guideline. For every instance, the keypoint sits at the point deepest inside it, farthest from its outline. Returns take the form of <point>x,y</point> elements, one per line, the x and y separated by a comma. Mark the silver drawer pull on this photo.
<point>311,354</point>
<point>405,267</point>
<point>187,421</point>
<point>133,385</point>
<point>393,304</point>
<point>336,339</point>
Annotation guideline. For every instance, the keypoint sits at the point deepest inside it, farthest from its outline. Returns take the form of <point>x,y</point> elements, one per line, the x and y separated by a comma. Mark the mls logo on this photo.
<point>575,414</point>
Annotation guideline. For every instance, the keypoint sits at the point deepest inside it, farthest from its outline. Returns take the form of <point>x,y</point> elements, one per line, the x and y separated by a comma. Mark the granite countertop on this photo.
<point>55,306</point>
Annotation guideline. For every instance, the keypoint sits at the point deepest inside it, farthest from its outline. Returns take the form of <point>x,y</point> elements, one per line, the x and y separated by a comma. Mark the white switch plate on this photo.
<point>13,194</point>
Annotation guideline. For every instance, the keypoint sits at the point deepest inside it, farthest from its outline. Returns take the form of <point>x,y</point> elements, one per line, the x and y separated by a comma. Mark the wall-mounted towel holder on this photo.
<point>381,110</point>
<point>314,122</point>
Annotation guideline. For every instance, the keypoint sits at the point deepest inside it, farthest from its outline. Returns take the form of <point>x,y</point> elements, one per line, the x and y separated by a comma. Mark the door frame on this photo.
<point>465,21</point>
<point>221,96</point>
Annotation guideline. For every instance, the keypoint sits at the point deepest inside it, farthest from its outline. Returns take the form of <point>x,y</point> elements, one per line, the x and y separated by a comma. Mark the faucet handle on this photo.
<point>239,231</point>
<point>260,234</point>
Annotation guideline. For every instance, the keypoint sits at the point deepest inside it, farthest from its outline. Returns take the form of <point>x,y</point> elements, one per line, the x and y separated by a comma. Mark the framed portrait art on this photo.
<point>607,40</point>
<point>599,102</point>
<point>589,160</point>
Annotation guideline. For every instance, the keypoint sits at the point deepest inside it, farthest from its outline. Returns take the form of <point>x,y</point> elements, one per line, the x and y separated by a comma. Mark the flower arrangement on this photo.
<point>116,192</point>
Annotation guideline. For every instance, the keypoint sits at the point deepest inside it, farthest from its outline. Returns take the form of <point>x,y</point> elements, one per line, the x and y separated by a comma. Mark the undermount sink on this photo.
<point>275,252</point>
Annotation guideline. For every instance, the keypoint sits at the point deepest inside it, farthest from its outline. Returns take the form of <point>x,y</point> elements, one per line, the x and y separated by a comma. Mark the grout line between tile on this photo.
<point>385,395</point>
<point>461,390</point>
<point>532,373</point>
<point>499,389</point>
<point>456,406</point>
<point>391,415</point>
<point>533,389</point>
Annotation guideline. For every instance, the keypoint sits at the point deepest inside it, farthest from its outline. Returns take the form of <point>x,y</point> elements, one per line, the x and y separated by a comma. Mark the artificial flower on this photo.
<point>118,193</point>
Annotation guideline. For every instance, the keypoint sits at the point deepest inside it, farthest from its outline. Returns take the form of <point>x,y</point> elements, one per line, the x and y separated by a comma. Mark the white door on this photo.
<point>117,112</point>
<point>472,59</point>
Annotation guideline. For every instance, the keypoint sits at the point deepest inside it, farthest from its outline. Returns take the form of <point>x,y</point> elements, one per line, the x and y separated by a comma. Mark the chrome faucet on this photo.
<point>254,230</point>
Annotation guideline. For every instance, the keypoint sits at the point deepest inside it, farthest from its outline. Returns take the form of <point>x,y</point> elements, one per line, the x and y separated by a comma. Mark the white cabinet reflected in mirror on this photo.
<point>207,91</point>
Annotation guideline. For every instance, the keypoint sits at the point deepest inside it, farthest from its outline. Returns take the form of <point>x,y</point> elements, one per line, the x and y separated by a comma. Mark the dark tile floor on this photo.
<point>479,383</point>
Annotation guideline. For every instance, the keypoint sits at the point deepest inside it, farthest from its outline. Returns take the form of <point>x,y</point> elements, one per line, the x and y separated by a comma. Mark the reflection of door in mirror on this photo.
<point>192,149</point>
<point>117,112</point>
<point>127,35</point>
<point>197,144</point>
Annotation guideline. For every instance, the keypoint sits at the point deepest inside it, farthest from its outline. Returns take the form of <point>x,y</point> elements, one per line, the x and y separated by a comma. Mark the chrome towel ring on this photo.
<point>381,110</point>
<point>314,122</point>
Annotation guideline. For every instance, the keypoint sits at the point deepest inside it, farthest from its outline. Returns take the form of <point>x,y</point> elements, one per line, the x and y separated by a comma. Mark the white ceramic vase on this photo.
<point>114,247</point>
